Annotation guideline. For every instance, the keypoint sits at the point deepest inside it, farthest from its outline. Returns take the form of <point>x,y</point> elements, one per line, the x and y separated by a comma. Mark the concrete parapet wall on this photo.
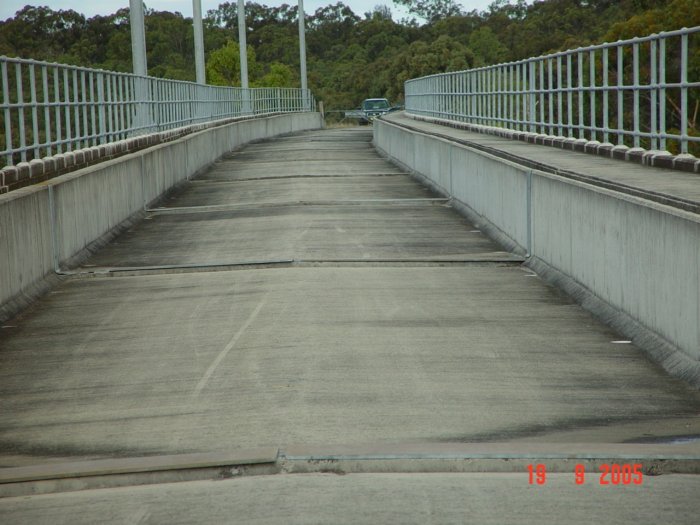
<point>46,225</point>
<point>632,262</point>
<point>662,159</point>
<point>492,192</point>
<point>39,170</point>
<point>25,245</point>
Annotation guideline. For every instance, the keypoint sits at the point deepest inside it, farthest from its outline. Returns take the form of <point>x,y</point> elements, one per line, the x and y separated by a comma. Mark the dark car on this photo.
<point>373,108</point>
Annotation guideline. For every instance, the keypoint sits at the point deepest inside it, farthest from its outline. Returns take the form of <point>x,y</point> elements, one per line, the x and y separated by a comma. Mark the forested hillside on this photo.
<point>351,56</point>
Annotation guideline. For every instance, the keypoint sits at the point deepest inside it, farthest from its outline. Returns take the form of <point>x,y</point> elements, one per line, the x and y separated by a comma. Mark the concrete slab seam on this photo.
<point>285,463</point>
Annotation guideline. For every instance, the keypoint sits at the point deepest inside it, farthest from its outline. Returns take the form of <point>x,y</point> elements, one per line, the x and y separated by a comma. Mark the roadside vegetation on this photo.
<point>351,56</point>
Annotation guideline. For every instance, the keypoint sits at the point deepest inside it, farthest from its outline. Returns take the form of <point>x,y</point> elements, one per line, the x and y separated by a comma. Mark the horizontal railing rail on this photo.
<point>640,93</point>
<point>49,108</point>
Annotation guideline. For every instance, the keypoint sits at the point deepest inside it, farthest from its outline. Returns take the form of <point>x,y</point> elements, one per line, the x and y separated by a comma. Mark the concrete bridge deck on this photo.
<point>305,291</point>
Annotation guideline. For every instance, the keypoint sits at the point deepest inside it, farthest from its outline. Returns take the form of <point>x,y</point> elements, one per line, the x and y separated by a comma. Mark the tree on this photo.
<point>279,75</point>
<point>380,11</point>
<point>223,68</point>
<point>487,48</point>
<point>349,57</point>
<point>41,33</point>
<point>431,10</point>
<point>680,13</point>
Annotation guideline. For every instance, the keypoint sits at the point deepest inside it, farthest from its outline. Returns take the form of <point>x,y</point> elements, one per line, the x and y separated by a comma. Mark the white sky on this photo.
<point>104,7</point>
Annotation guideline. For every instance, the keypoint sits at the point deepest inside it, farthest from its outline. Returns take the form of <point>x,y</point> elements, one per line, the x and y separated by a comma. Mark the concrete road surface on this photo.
<point>304,291</point>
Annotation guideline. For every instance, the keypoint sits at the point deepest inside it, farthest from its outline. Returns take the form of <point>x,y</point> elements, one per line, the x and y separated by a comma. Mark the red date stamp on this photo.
<point>609,474</point>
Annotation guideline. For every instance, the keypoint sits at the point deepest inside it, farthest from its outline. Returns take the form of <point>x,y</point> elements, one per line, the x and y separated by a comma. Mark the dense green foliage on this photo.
<point>350,57</point>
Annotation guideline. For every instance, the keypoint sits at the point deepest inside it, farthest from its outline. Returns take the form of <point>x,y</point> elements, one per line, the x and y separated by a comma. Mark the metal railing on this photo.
<point>48,108</point>
<point>635,93</point>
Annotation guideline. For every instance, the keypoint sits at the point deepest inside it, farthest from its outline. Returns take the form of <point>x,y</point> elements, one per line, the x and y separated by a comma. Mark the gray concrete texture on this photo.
<point>497,499</point>
<point>59,219</point>
<point>194,362</point>
<point>393,322</point>
<point>630,251</point>
<point>25,242</point>
<point>388,333</point>
<point>658,181</point>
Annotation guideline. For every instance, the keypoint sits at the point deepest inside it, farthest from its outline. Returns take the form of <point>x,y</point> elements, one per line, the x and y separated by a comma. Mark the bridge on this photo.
<point>198,307</point>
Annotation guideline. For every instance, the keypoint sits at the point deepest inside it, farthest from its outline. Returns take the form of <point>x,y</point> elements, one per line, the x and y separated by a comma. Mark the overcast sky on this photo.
<point>104,7</point>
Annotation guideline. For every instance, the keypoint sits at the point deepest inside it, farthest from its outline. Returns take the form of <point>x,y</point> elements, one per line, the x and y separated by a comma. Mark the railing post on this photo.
<point>7,114</point>
<point>76,110</point>
<point>517,116</point>
<point>20,102</point>
<point>101,108</point>
<point>569,95</point>
<point>620,97</point>
<point>560,106</point>
<point>550,95</point>
<point>684,93</point>
<point>541,97</point>
<point>84,106</point>
<point>579,65</point>
<point>662,94</point>
<point>653,95</point>
<point>57,109</point>
<point>532,102</point>
<point>35,120</point>
<point>606,118</point>
<point>47,111</point>
<point>592,85</point>
<point>635,87</point>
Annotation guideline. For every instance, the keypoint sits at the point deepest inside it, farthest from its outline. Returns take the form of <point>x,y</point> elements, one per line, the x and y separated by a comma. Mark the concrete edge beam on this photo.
<point>679,162</point>
<point>103,467</point>
<point>669,200</point>
<point>39,170</point>
<point>652,459</point>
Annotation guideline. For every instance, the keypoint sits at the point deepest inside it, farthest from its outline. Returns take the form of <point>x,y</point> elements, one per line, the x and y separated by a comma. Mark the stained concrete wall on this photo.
<point>25,245</point>
<point>632,262</point>
<point>54,222</point>
<point>489,189</point>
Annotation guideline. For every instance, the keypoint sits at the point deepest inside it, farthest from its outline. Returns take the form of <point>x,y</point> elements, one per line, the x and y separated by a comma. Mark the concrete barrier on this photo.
<point>25,246</point>
<point>632,262</point>
<point>57,222</point>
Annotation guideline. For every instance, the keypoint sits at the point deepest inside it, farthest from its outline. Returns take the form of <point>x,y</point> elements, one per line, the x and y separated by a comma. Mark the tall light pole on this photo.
<point>139,66</point>
<point>198,41</point>
<point>242,45</point>
<point>138,38</point>
<point>302,48</point>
